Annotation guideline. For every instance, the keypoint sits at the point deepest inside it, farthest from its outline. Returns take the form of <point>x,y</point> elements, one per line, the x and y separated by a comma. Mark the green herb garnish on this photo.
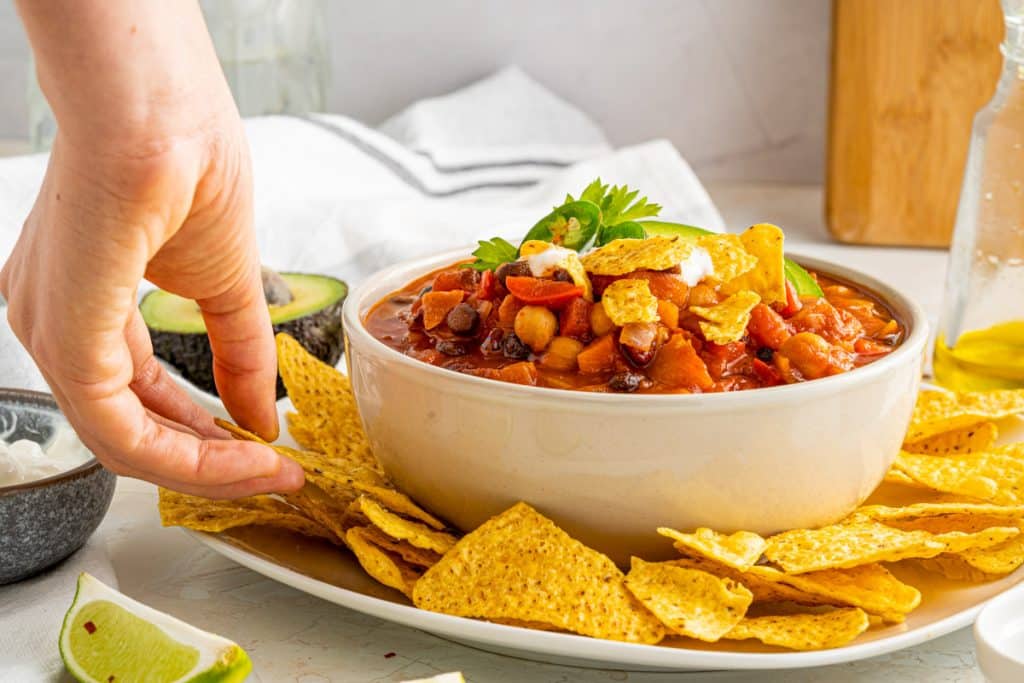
<point>492,253</point>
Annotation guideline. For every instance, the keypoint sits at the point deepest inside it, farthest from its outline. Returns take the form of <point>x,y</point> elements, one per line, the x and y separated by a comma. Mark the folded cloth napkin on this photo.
<point>32,611</point>
<point>505,119</point>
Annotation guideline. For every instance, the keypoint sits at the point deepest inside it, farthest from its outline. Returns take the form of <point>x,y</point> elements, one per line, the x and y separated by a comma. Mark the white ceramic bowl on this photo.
<point>999,637</point>
<point>611,468</point>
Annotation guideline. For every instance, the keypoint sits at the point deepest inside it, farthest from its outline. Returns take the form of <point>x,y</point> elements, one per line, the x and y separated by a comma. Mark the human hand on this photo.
<point>166,196</point>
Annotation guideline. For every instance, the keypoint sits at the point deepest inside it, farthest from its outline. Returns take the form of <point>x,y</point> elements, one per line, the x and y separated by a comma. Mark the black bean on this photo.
<point>513,347</point>
<point>638,357</point>
<point>450,348</point>
<point>513,268</point>
<point>562,275</point>
<point>492,343</point>
<point>625,382</point>
<point>765,354</point>
<point>463,319</point>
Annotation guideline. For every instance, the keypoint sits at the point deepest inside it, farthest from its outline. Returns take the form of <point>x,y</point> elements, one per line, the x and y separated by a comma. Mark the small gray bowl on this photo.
<point>44,521</point>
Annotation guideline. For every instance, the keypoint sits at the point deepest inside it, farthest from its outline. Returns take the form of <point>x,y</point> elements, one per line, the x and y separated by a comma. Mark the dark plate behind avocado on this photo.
<point>313,317</point>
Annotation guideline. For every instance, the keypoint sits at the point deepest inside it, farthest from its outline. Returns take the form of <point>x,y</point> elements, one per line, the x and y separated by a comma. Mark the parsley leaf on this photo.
<point>492,253</point>
<point>618,206</point>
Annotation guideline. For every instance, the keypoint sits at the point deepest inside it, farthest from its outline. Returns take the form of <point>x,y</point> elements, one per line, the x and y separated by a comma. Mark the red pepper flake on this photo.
<point>389,655</point>
<point>90,627</point>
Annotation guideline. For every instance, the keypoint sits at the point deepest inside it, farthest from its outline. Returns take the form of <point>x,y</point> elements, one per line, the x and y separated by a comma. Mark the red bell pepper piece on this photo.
<point>574,321</point>
<point>768,375</point>
<point>538,292</point>
<point>793,303</point>
<point>487,285</point>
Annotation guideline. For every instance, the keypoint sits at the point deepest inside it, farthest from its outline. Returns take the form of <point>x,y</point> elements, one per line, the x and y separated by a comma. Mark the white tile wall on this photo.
<point>740,86</point>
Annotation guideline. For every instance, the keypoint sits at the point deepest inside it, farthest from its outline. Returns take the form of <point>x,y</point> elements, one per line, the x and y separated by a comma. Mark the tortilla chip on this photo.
<point>520,565</point>
<point>847,545</point>
<point>396,501</point>
<point>323,396</point>
<point>419,557</point>
<point>383,566</point>
<point>871,587</point>
<point>980,564</point>
<point>319,506</point>
<point>768,277</point>
<point>203,514</point>
<point>303,430</point>
<point>690,602</point>
<point>993,477</point>
<point>630,301</point>
<point>970,439</point>
<point>949,516</point>
<point>894,476</point>
<point>329,475</point>
<point>728,255</point>
<point>570,262</point>
<point>740,551</point>
<point>416,533</point>
<point>804,631</point>
<point>940,411</point>
<point>619,257</point>
<point>727,320</point>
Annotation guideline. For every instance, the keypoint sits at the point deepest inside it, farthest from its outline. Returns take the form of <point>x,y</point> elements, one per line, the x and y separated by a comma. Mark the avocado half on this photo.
<point>305,306</point>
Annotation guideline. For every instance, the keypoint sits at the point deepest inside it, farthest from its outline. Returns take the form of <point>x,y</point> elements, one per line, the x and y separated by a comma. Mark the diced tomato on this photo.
<point>598,356</point>
<point>668,312</point>
<point>678,365</point>
<point>767,328</point>
<point>870,347</point>
<point>487,286</point>
<point>538,292</point>
<point>793,303</point>
<point>814,357</point>
<point>574,320</point>
<point>437,305</point>
<point>725,359</point>
<point>664,286</point>
<point>825,320</point>
<point>768,375</point>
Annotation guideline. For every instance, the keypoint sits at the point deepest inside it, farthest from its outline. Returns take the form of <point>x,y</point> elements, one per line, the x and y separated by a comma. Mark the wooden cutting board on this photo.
<point>907,79</point>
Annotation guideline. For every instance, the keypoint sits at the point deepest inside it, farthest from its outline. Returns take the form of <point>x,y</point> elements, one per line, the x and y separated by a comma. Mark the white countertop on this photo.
<point>293,637</point>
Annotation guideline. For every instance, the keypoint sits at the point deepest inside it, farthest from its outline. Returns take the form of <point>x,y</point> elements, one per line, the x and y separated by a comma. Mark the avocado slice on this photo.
<point>309,310</point>
<point>796,274</point>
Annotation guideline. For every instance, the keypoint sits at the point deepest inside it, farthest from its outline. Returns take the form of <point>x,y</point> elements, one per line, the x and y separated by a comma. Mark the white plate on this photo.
<point>321,569</point>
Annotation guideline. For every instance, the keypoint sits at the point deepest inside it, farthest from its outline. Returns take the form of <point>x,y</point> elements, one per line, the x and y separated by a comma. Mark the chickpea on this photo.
<point>813,356</point>
<point>600,323</point>
<point>536,326</point>
<point>561,354</point>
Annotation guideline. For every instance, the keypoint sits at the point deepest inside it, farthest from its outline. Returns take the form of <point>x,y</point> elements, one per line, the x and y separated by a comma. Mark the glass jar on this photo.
<point>980,340</point>
<point>273,52</point>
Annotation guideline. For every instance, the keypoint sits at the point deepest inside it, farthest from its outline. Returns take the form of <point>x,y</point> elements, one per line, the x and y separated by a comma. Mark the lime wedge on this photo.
<point>107,637</point>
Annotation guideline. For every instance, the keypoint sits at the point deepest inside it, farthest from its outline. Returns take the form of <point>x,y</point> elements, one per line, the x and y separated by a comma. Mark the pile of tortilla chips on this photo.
<point>802,589</point>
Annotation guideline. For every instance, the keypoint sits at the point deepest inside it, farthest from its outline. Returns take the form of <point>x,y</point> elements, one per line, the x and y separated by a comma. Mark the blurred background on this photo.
<point>739,86</point>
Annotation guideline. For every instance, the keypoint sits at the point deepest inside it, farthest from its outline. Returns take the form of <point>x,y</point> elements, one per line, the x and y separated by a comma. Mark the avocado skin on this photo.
<point>190,353</point>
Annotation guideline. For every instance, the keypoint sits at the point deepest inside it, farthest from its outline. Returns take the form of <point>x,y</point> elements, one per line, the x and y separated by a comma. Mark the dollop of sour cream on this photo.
<point>23,460</point>
<point>696,266</point>
<point>545,262</point>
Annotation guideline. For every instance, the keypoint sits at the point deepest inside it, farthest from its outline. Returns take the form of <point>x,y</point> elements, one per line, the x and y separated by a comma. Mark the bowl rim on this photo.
<point>992,622</point>
<point>45,401</point>
<point>379,284</point>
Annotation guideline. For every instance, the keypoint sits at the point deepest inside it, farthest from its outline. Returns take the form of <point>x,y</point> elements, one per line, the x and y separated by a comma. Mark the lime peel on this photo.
<point>107,636</point>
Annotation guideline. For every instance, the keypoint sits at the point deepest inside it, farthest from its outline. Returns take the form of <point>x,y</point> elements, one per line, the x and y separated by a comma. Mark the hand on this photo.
<point>166,196</point>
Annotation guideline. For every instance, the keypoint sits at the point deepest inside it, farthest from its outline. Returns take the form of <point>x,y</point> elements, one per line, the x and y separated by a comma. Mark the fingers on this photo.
<point>244,357</point>
<point>158,391</point>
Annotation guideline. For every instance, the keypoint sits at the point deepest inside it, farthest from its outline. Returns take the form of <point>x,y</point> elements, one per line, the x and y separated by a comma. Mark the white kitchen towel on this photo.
<point>32,611</point>
<point>505,119</point>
